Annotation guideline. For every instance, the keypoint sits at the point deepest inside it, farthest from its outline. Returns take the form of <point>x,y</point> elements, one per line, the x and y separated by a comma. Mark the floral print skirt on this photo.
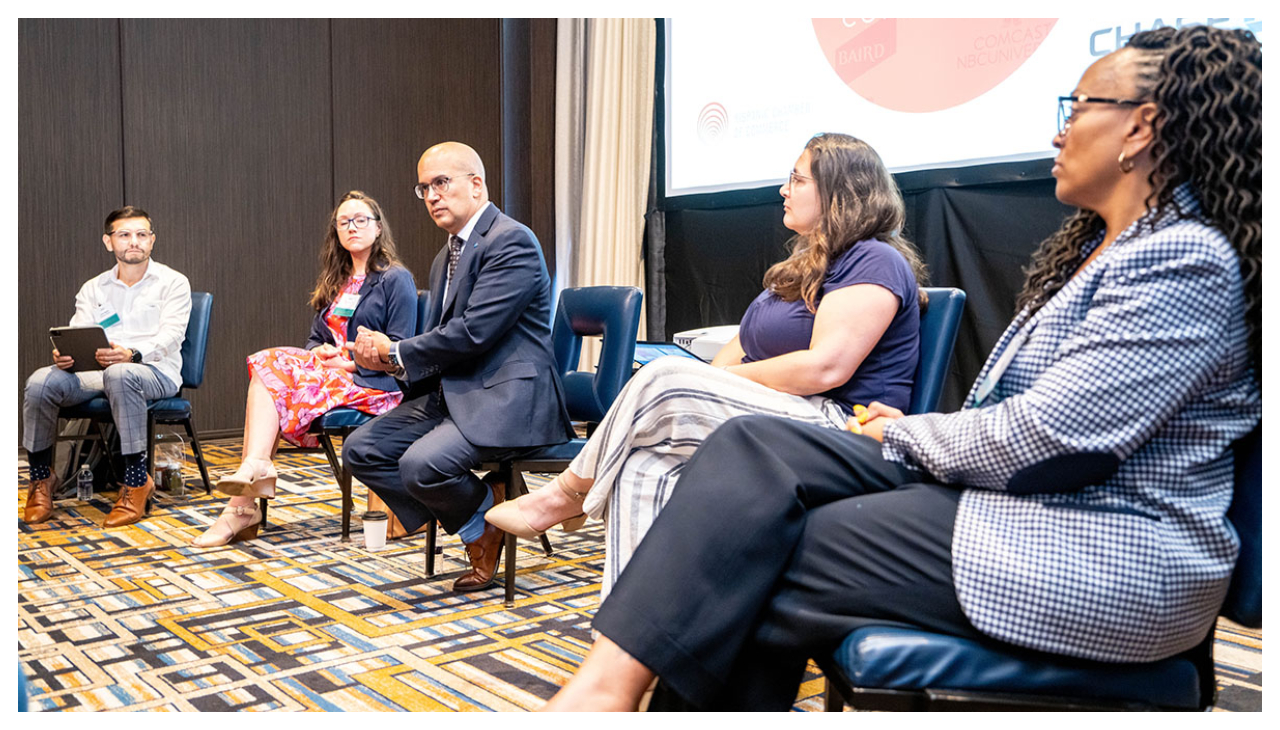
<point>304,389</point>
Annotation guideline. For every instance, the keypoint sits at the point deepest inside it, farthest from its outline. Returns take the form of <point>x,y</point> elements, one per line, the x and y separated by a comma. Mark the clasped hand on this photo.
<point>332,356</point>
<point>871,420</point>
<point>371,350</point>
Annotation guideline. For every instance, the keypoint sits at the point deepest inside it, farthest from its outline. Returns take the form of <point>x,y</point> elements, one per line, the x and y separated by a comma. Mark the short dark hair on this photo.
<point>129,211</point>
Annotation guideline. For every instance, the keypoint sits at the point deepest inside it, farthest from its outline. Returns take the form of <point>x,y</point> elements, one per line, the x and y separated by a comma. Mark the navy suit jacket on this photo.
<point>388,304</point>
<point>489,340</point>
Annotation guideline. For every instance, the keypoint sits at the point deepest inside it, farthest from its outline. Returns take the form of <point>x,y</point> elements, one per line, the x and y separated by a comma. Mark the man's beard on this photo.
<point>132,257</point>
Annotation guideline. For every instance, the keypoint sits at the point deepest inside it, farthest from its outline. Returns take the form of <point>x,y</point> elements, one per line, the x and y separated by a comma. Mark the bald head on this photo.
<point>457,169</point>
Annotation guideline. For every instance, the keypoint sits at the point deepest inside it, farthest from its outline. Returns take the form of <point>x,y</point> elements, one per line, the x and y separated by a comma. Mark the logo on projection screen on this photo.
<point>927,64</point>
<point>713,121</point>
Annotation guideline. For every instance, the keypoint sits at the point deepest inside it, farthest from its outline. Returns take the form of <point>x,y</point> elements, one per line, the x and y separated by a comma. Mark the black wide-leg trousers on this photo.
<point>780,540</point>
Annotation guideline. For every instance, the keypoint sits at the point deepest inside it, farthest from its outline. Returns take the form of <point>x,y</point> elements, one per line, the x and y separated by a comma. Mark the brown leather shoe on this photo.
<point>39,500</point>
<point>132,505</point>
<point>485,553</point>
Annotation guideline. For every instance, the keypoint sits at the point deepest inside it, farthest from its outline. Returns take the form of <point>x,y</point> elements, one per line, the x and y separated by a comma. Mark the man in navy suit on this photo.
<point>479,383</point>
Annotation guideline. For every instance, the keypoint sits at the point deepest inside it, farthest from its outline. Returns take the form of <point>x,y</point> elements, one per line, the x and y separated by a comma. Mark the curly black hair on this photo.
<point>1207,86</point>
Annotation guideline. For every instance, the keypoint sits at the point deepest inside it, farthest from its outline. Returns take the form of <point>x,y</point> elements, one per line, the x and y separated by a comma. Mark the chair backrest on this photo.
<point>1244,598</point>
<point>197,341</point>
<point>424,305</point>
<point>938,327</point>
<point>612,312</point>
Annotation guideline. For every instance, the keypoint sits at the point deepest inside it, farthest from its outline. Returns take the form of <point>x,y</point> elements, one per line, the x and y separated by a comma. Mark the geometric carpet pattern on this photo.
<point>134,618</point>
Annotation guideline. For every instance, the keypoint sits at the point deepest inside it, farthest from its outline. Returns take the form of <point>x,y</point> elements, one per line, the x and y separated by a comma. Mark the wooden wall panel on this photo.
<point>227,143</point>
<point>69,171</point>
<point>399,87</point>
<point>238,136</point>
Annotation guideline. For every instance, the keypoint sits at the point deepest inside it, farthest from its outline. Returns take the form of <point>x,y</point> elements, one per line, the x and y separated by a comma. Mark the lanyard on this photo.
<point>993,375</point>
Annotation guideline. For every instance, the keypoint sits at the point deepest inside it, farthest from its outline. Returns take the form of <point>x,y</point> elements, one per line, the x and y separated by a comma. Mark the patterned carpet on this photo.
<point>135,619</point>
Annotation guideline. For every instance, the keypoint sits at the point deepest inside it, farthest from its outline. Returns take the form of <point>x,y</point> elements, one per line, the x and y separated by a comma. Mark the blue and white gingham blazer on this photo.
<point>1098,471</point>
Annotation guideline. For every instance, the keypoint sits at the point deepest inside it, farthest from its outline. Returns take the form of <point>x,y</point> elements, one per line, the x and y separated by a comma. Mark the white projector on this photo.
<point>707,341</point>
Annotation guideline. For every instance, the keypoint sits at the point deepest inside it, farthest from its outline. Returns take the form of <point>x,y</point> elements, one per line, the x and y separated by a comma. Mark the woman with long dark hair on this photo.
<point>837,326</point>
<point>1075,506</point>
<point>361,284</point>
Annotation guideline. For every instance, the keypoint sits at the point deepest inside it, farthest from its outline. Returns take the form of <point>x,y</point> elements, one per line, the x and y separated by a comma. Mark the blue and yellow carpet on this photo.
<point>135,619</point>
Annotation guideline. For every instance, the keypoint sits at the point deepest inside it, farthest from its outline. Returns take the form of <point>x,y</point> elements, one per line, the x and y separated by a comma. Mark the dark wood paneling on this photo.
<point>401,86</point>
<point>69,174</point>
<point>227,143</point>
<point>238,136</point>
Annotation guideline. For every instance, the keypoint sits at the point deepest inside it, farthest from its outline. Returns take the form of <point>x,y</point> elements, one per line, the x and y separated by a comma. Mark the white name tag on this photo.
<point>346,305</point>
<point>105,316</point>
<point>993,375</point>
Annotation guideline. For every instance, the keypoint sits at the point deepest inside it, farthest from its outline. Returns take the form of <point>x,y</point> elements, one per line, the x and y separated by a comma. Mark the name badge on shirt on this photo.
<point>105,315</point>
<point>346,305</point>
<point>993,375</point>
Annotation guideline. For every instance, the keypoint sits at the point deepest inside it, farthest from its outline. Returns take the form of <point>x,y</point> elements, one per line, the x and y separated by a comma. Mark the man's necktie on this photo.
<point>455,253</point>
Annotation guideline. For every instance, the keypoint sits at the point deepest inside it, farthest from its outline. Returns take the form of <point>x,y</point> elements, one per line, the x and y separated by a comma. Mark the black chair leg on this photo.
<point>262,505</point>
<point>343,475</point>
<point>195,447</point>
<point>831,699</point>
<point>515,487</point>
<point>151,441</point>
<point>429,550</point>
<point>104,446</point>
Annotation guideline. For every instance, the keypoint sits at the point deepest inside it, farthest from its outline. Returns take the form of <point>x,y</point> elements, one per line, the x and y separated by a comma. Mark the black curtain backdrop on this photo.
<point>976,227</point>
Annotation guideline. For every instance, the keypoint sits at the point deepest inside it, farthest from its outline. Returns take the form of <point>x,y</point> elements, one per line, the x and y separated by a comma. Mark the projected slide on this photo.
<point>743,94</point>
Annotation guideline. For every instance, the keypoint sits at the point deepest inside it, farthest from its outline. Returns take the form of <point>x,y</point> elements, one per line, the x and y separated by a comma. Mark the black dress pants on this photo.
<point>781,539</point>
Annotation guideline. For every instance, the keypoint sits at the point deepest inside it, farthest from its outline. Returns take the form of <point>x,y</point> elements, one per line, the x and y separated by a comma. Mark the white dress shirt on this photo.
<point>153,314</point>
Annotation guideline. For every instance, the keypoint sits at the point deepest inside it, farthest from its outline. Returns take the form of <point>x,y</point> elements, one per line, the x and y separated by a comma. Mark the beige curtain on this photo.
<point>604,129</point>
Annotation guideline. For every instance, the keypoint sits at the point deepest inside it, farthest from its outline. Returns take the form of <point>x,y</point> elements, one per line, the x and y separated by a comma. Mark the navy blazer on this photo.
<point>388,304</point>
<point>489,340</point>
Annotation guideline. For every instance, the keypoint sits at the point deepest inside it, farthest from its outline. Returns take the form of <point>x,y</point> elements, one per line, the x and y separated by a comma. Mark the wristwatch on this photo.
<point>393,357</point>
<point>136,356</point>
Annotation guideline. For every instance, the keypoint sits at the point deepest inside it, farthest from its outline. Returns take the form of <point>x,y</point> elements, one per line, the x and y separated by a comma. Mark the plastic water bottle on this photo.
<point>84,484</point>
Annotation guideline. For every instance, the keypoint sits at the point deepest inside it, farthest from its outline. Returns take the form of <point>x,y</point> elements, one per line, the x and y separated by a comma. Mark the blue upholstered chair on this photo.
<point>341,422</point>
<point>895,668</point>
<point>165,410</point>
<point>612,312</point>
<point>938,327</point>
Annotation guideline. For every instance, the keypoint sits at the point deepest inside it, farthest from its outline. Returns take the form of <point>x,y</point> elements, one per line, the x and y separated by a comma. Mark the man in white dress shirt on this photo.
<point>143,306</point>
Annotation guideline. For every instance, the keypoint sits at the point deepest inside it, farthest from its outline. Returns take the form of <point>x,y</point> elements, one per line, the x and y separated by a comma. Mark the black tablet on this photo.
<point>80,343</point>
<point>647,352</point>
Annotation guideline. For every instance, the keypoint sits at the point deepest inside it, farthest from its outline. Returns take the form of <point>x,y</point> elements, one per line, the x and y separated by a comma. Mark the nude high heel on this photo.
<point>254,478</point>
<point>229,533</point>
<point>508,518</point>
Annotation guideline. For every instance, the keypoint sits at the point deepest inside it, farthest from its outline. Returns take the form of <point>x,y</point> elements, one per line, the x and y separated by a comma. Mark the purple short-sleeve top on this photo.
<point>772,327</point>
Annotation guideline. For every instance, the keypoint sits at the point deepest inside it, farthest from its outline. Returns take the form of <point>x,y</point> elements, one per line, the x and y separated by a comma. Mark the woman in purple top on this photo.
<point>837,327</point>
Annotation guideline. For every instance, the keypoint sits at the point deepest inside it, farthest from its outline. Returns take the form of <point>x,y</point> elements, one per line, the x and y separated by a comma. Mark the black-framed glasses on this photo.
<point>1066,107</point>
<point>359,221</point>
<point>791,179</point>
<point>440,185</point>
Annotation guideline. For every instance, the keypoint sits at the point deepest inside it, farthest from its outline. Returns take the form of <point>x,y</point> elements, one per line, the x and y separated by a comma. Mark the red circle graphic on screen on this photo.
<point>927,64</point>
<point>713,121</point>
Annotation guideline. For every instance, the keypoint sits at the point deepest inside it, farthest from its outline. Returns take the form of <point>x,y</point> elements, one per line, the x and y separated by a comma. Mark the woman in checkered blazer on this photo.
<point>1076,505</point>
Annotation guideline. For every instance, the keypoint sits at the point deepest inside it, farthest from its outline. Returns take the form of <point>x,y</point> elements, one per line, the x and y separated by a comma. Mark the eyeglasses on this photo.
<point>359,221</point>
<point>440,185</point>
<point>125,236</point>
<point>1066,107</point>
<point>791,179</point>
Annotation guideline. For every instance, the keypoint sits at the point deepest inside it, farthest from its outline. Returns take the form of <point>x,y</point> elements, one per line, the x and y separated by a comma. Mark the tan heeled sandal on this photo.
<point>254,478</point>
<point>231,535</point>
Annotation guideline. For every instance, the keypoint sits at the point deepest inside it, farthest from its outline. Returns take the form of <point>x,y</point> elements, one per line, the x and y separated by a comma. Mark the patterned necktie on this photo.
<point>455,253</point>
